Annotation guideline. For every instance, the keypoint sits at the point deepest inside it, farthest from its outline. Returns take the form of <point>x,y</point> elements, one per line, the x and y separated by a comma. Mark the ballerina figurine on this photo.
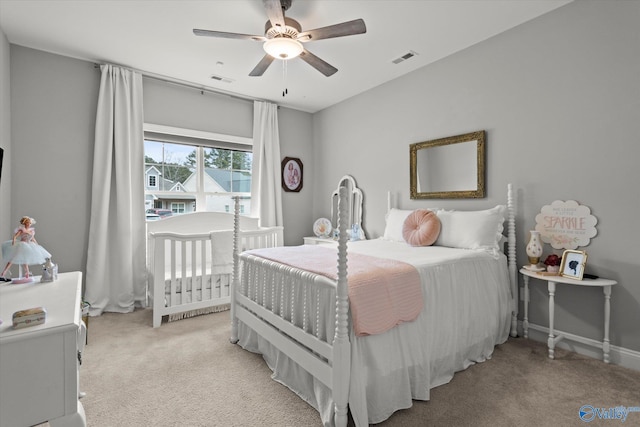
<point>23,248</point>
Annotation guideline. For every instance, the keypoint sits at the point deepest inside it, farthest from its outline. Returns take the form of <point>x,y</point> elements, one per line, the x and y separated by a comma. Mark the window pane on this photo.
<point>172,178</point>
<point>177,208</point>
<point>169,164</point>
<point>227,204</point>
<point>231,170</point>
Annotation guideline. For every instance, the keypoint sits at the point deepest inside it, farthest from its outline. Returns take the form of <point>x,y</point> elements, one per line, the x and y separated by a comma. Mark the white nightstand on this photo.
<point>605,284</point>
<point>320,241</point>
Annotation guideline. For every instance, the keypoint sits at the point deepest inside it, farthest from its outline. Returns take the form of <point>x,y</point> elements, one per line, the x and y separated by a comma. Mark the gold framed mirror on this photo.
<point>448,168</point>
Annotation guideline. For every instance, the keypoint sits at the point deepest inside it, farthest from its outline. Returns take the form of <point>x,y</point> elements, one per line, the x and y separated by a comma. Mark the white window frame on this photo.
<point>176,207</point>
<point>202,136</point>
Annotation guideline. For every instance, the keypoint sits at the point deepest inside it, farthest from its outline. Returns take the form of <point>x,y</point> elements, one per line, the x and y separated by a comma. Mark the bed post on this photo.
<point>511,252</point>
<point>341,346</point>
<point>235,281</point>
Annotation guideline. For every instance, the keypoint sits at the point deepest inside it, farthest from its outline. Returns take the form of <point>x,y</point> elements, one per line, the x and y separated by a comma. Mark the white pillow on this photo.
<point>395,222</point>
<point>471,229</point>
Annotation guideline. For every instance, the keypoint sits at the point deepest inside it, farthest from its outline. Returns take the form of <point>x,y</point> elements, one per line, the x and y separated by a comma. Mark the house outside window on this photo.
<point>188,170</point>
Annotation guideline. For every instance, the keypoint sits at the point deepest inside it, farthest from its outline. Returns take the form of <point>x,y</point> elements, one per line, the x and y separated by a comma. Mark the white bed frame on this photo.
<point>326,358</point>
<point>181,246</point>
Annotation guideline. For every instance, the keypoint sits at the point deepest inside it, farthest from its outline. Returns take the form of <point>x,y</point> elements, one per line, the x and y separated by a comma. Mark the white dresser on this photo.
<point>39,364</point>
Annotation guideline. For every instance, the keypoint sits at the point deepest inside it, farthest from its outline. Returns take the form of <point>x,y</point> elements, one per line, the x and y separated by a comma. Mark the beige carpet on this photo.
<point>186,373</point>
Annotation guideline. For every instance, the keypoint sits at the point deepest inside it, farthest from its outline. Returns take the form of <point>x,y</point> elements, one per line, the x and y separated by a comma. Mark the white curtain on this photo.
<point>266,196</point>
<point>115,278</point>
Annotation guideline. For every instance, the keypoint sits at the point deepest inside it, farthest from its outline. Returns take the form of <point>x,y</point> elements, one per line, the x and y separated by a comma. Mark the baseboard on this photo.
<point>585,346</point>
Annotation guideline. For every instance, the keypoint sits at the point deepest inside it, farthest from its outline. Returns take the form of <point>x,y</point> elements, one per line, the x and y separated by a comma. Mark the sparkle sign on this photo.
<point>566,225</point>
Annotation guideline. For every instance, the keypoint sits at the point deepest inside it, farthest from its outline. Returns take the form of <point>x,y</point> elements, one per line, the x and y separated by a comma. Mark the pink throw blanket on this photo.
<point>382,293</point>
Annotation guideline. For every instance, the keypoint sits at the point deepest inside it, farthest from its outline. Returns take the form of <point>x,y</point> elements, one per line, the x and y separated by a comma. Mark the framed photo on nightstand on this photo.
<point>573,264</point>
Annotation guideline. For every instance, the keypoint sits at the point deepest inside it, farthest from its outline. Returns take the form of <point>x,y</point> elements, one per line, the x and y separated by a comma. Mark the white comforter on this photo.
<point>466,313</point>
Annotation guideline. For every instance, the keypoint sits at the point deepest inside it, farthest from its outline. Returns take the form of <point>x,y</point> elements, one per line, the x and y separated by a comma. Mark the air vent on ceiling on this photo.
<point>404,57</point>
<point>221,79</point>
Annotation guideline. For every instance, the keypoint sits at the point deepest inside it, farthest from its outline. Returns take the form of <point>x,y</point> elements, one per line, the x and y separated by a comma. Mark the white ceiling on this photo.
<point>156,37</point>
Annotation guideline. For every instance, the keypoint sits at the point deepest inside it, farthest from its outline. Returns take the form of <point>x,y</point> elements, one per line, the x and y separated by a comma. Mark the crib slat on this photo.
<point>192,250</point>
<point>172,295</point>
<point>204,261</point>
<point>183,272</point>
<point>217,282</point>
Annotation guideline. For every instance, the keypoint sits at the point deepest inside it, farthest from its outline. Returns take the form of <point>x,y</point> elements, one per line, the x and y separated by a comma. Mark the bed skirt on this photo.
<point>466,313</point>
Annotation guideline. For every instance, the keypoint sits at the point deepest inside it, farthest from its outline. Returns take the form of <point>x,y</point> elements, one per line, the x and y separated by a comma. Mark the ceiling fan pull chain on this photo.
<point>284,78</point>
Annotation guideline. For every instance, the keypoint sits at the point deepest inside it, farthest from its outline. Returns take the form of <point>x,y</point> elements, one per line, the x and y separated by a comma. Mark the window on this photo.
<point>177,208</point>
<point>187,170</point>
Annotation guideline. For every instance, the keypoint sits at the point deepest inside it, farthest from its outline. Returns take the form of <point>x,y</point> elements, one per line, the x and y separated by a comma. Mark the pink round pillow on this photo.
<point>421,228</point>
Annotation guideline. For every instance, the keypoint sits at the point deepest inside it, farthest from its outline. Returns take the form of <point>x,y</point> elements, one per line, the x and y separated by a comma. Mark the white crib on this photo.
<point>190,261</point>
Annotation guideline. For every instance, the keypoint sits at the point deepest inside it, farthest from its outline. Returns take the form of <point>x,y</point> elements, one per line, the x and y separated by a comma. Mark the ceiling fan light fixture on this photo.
<point>283,48</point>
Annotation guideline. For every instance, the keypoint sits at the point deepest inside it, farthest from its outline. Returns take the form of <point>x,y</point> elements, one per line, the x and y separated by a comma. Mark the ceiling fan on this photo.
<point>283,38</point>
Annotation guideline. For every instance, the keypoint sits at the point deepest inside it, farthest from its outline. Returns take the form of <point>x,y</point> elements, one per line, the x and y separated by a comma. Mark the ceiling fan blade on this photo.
<point>317,63</point>
<point>224,35</point>
<point>262,66</point>
<point>275,14</point>
<point>349,28</point>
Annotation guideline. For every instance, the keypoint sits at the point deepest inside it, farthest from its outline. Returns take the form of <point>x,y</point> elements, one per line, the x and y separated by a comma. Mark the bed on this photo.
<point>303,322</point>
<point>190,261</point>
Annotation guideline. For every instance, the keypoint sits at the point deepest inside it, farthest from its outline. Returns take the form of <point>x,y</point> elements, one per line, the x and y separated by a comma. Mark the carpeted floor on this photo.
<point>186,373</point>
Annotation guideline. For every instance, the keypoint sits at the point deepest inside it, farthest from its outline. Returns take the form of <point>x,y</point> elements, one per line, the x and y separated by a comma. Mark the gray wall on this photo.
<point>175,105</point>
<point>295,141</point>
<point>5,134</point>
<point>53,108</point>
<point>559,98</point>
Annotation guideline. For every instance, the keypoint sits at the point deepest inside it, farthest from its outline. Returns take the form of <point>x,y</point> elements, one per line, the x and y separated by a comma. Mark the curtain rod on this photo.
<point>184,83</point>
